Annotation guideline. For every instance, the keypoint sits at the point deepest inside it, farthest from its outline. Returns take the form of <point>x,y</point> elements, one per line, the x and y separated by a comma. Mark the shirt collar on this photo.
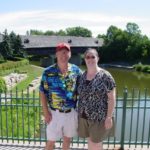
<point>69,68</point>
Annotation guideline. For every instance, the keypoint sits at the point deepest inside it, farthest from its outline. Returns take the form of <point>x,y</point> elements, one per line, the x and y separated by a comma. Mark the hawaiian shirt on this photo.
<point>93,99</point>
<point>60,90</point>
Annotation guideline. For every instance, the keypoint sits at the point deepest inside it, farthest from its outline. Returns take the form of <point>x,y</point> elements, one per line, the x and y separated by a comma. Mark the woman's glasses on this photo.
<point>90,57</point>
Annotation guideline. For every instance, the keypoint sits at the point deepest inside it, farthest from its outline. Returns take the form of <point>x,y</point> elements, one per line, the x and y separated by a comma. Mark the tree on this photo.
<point>12,40</point>
<point>133,28</point>
<point>11,46</point>
<point>16,45</point>
<point>36,32</point>
<point>78,31</point>
<point>19,48</point>
<point>61,33</point>
<point>115,43</point>
<point>73,31</point>
<point>5,47</point>
<point>135,50</point>
<point>139,48</point>
<point>49,33</point>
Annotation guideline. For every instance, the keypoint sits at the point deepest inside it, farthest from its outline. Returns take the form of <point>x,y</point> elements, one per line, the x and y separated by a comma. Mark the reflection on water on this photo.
<point>137,121</point>
<point>132,80</point>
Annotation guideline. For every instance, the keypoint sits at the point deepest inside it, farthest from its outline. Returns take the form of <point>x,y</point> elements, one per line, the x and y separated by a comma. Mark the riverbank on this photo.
<point>116,66</point>
<point>137,67</point>
<point>121,65</point>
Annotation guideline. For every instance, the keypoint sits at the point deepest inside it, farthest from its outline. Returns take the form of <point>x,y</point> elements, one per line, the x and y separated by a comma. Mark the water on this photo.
<point>137,121</point>
<point>126,78</point>
<point>131,79</point>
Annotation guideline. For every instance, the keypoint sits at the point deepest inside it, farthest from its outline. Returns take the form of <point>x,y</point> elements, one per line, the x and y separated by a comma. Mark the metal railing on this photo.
<point>21,119</point>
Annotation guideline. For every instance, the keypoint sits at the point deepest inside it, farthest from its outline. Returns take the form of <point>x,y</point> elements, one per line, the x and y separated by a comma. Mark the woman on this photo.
<point>96,102</point>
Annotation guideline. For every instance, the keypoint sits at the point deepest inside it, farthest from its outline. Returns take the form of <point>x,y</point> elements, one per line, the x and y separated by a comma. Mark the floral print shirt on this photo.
<point>93,99</point>
<point>60,90</point>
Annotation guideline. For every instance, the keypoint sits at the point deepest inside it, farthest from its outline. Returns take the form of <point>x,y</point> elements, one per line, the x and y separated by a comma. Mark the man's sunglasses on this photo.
<point>90,57</point>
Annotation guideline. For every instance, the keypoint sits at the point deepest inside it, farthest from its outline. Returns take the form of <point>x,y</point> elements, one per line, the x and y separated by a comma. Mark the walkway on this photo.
<point>32,146</point>
<point>38,146</point>
<point>18,147</point>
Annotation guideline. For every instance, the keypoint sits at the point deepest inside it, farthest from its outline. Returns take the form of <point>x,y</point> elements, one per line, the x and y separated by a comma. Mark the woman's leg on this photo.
<point>94,146</point>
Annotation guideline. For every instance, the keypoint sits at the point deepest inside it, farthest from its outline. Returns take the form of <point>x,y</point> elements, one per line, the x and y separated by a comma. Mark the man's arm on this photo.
<point>47,114</point>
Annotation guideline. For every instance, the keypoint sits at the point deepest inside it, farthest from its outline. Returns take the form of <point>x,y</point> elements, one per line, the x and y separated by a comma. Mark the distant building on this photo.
<point>42,45</point>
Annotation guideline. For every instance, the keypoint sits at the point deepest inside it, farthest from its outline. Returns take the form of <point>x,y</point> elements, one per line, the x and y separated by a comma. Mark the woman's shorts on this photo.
<point>95,130</point>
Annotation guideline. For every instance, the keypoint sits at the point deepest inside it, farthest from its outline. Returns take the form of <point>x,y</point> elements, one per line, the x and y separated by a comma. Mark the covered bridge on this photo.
<point>46,45</point>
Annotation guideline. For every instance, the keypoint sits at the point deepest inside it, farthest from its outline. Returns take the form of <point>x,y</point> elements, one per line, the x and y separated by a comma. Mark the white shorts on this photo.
<point>62,124</point>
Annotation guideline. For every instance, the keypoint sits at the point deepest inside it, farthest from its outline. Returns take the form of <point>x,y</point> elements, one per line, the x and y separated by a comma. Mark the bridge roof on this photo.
<point>39,41</point>
<point>43,41</point>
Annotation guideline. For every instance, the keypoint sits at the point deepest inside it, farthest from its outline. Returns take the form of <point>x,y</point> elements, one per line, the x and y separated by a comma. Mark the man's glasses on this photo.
<point>90,57</point>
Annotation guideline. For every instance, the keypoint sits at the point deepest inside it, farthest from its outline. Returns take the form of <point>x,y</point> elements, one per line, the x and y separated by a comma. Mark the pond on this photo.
<point>130,79</point>
<point>137,104</point>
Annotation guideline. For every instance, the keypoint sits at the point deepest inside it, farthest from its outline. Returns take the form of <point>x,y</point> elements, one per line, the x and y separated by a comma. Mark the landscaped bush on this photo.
<point>2,85</point>
<point>148,71</point>
<point>142,68</point>
<point>145,68</point>
<point>138,67</point>
<point>13,64</point>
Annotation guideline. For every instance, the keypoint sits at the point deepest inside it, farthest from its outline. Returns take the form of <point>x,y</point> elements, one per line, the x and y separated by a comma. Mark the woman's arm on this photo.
<point>111,105</point>
<point>111,102</point>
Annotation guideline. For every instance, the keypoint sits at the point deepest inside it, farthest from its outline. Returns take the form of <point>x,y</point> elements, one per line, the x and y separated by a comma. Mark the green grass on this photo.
<point>21,118</point>
<point>18,120</point>
<point>32,73</point>
<point>37,63</point>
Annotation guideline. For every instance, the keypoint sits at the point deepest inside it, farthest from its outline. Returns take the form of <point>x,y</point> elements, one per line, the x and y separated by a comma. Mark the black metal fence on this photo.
<point>21,119</point>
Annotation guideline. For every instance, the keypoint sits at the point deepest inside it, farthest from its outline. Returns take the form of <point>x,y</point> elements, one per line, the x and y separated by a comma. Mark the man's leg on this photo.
<point>50,145</point>
<point>94,146</point>
<point>66,143</point>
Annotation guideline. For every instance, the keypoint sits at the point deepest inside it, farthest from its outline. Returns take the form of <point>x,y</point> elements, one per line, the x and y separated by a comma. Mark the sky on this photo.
<point>96,15</point>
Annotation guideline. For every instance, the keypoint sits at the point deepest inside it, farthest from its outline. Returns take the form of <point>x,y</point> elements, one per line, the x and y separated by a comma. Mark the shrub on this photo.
<point>142,68</point>
<point>145,68</point>
<point>13,64</point>
<point>138,67</point>
<point>148,71</point>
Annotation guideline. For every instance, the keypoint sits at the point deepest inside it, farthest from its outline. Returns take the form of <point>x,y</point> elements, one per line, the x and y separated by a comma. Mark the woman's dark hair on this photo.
<point>93,50</point>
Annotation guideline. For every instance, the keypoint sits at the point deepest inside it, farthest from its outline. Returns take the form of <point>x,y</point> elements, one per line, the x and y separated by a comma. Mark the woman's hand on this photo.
<point>108,123</point>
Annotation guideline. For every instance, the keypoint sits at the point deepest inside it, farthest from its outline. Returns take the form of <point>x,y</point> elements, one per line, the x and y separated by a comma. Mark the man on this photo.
<point>58,89</point>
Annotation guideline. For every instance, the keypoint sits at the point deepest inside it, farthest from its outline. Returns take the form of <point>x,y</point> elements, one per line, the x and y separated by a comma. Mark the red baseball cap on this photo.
<point>63,46</point>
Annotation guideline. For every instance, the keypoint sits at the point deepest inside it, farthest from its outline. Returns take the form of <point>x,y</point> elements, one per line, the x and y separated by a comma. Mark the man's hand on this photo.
<point>48,117</point>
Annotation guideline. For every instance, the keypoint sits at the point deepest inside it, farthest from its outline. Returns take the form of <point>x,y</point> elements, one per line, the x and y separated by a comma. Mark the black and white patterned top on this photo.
<point>93,99</point>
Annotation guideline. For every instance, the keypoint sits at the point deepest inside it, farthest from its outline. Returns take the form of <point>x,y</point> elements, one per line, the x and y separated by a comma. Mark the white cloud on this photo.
<point>98,23</point>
